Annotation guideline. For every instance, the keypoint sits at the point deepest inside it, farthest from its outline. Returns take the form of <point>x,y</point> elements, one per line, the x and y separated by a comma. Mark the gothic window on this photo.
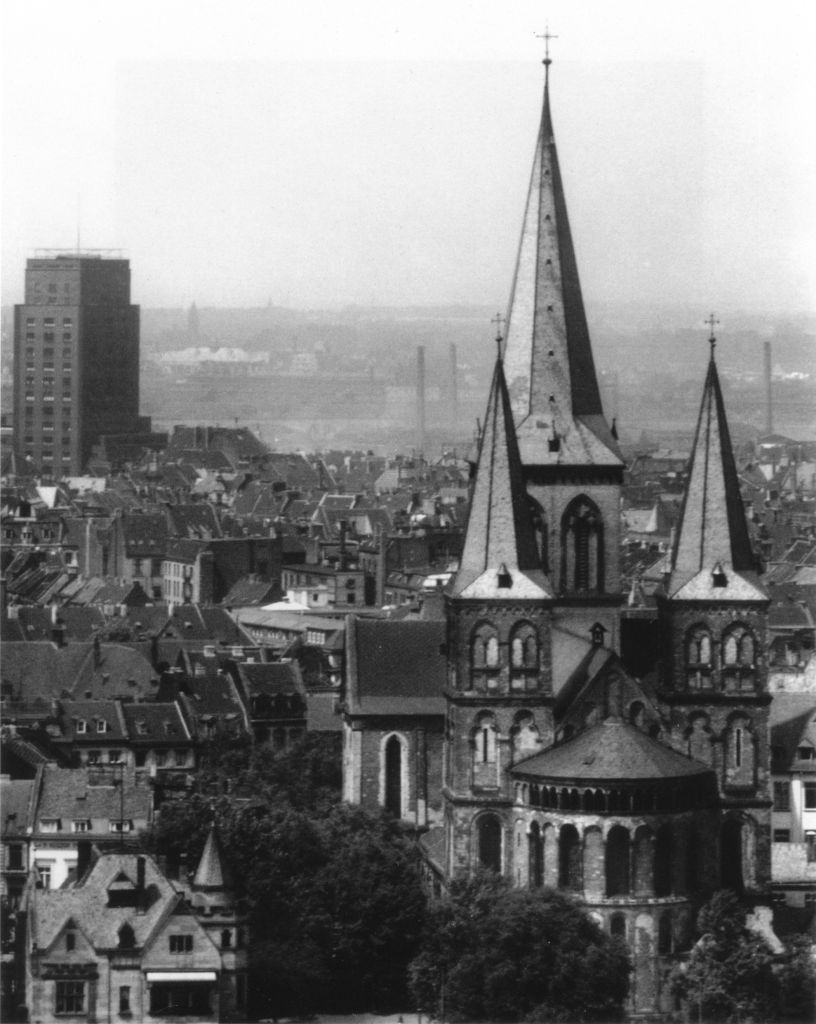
<point>523,657</point>
<point>392,780</point>
<point>485,760</point>
<point>582,546</point>
<point>738,657</point>
<point>484,656</point>
<point>489,842</point>
<point>540,532</point>
<point>698,658</point>
<point>127,937</point>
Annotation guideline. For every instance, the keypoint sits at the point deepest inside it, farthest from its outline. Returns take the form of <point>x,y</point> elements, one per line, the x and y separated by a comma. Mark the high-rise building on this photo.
<point>76,358</point>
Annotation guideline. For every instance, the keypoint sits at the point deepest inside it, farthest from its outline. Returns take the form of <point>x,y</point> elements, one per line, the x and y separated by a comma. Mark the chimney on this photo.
<point>454,386</point>
<point>420,398</point>
<point>768,391</point>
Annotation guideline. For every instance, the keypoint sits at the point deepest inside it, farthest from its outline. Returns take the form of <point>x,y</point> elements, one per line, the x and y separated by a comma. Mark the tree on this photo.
<point>494,952</point>
<point>729,975</point>
<point>336,903</point>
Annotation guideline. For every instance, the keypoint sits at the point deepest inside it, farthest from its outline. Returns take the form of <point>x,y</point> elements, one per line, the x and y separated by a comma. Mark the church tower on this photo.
<point>572,466</point>
<point>499,693</point>
<point>713,614</point>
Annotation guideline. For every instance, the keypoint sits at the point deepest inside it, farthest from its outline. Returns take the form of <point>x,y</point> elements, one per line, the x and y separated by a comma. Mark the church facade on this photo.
<point>558,766</point>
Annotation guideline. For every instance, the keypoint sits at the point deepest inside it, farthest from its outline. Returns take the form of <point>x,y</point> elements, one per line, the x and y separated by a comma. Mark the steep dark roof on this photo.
<point>793,724</point>
<point>77,793</point>
<point>155,723</point>
<point>396,667</point>
<point>272,678</point>
<point>612,751</point>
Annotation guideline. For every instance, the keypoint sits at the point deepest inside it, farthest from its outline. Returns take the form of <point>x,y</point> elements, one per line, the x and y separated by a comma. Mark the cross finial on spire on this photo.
<point>712,321</point>
<point>546,35</point>
<point>498,320</point>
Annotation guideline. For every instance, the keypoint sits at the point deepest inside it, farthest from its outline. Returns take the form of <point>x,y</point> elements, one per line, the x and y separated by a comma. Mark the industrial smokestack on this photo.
<point>420,396</point>
<point>454,386</point>
<point>768,391</point>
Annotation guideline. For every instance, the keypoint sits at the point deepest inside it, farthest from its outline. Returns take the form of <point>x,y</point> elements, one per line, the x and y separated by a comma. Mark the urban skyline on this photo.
<point>294,166</point>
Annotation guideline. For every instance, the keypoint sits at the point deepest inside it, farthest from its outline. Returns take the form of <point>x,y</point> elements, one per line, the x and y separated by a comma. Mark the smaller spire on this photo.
<point>212,873</point>
<point>712,321</point>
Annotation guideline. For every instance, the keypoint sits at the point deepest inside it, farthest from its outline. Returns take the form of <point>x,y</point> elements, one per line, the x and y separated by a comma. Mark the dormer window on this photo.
<point>718,577</point>
<point>81,825</point>
<point>121,826</point>
<point>141,728</point>
<point>50,825</point>
<point>101,725</point>
<point>503,578</point>
<point>81,726</point>
<point>806,753</point>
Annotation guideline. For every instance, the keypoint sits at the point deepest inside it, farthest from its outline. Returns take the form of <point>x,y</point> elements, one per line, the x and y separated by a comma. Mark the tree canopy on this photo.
<point>729,975</point>
<point>336,904</point>
<point>493,952</point>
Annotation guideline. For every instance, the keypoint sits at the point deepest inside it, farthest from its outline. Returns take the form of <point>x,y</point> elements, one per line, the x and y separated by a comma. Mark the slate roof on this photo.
<point>612,751</point>
<point>155,722</point>
<point>16,798</point>
<point>85,904</point>
<point>197,520</point>
<point>145,534</point>
<point>79,623</point>
<point>395,667</point>
<point>91,712</point>
<point>68,793</point>
<point>499,540</point>
<point>271,678</point>
<point>713,530</point>
<point>793,724</point>
<point>212,872</point>
<point>248,592</point>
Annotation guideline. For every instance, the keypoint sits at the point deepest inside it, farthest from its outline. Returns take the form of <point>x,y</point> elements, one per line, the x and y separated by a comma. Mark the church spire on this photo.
<point>548,358</point>
<point>500,558</point>
<point>713,558</point>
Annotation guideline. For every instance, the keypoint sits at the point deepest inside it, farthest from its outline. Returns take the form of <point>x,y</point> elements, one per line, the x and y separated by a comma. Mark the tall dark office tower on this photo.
<point>76,358</point>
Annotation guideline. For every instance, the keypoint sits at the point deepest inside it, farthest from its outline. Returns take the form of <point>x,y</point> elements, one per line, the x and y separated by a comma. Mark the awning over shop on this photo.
<point>176,976</point>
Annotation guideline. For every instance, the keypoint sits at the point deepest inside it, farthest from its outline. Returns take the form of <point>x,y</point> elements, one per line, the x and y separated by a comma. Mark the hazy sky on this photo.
<point>376,152</point>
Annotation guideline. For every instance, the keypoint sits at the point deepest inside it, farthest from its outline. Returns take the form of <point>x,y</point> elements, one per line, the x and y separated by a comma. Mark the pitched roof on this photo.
<point>271,678</point>
<point>793,724</point>
<point>395,667</point>
<point>16,796</point>
<point>212,871</point>
<point>713,532</point>
<point>499,557</point>
<point>550,370</point>
<point>612,751</point>
<point>91,793</point>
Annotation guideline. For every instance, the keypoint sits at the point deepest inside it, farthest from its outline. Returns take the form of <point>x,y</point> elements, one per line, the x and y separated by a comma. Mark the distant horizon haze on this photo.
<point>383,159</point>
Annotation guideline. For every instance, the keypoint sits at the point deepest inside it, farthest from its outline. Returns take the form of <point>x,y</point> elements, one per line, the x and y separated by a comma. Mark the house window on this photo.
<point>810,796</point>
<point>81,825</point>
<point>805,753</point>
<point>781,835</point>
<point>81,726</point>
<point>15,857</point>
<point>70,941</point>
<point>44,873</point>
<point>781,796</point>
<point>121,826</point>
<point>50,825</point>
<point>180,758</point>
<point>124,998</point>
<point>180,943</point>
<point>101,725</point>
<point>70,997</point>
<point>160,758</point>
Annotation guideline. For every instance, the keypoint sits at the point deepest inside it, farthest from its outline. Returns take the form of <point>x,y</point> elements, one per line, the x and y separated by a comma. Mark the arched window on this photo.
<point>664,934</point>
<point>582,567</point>
<point>699,658</point>
<point>489,842</point>
<point>540,532</point>
<point>523,657</point>
<point>126,937</point>
<point>392,768</point>
<point>738,656</point>
<point>617,862</point>
<point>226,938</point>
<point>569,859</point>
<point>484,657</point>
<point>485,754</point>
<point>536,856</point>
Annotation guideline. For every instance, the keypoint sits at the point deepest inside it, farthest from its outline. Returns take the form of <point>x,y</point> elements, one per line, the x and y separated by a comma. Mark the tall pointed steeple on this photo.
<point>500,558</point>
<point>548,358</point>
<point>713,558</point>
<point>212,874</point>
